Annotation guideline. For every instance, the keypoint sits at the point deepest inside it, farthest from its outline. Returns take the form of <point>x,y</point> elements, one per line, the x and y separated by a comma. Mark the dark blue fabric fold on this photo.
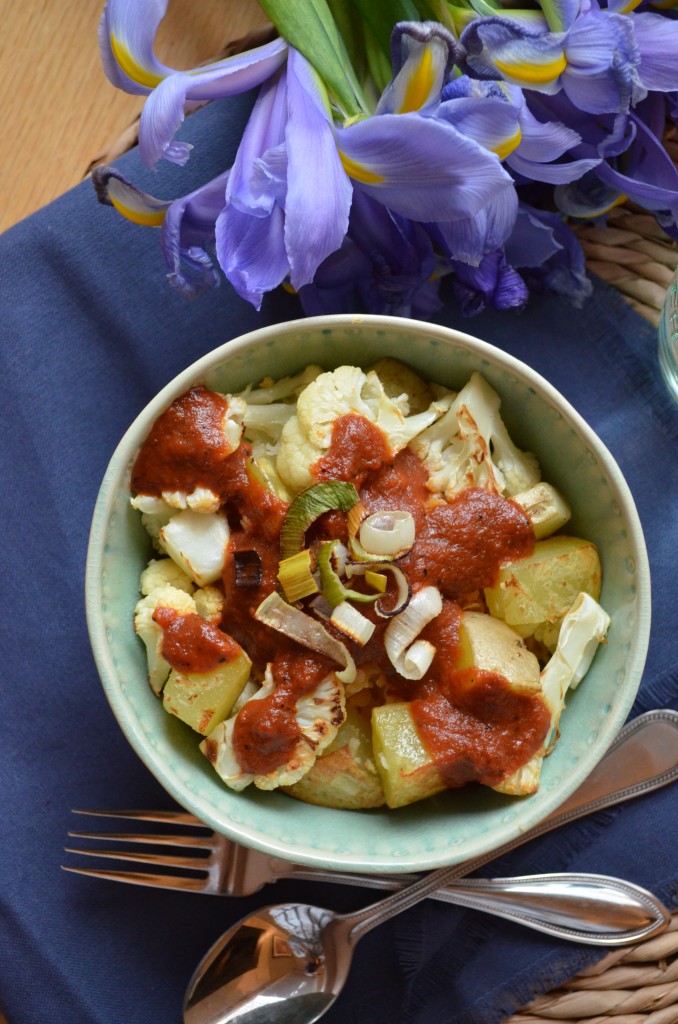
<point>89,332</point>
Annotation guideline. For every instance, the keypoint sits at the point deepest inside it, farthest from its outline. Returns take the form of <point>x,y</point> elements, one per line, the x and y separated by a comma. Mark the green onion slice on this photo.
<point>333,589</point>
<point>297,625</point>
<point>308,505</point>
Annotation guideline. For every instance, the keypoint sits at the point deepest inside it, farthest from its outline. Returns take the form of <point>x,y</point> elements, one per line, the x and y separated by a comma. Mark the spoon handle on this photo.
<point>593,909</point>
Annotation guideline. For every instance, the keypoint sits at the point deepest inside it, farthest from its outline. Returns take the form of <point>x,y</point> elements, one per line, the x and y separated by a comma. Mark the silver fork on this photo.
<point>643,757</point>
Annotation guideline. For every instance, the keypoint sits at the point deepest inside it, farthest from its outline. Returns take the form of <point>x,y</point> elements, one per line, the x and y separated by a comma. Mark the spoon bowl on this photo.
<point>287,964</point>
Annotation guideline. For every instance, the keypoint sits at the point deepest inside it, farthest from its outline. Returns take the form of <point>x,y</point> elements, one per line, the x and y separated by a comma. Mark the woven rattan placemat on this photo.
<point>628,986</point>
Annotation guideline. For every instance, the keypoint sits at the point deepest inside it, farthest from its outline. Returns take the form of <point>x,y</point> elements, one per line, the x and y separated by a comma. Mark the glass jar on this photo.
<point>668,338</point>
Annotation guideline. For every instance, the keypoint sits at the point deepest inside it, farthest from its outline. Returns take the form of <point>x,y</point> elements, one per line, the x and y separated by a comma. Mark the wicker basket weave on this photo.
<point>629,986</point>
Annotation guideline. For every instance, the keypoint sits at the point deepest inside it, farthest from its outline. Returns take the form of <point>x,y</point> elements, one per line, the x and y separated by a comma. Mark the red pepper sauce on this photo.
<point>186,448</point>
<point>266,731</point>
<point>192,644</point>
<point>358,446</point>
<point>463,544</point>
<point>471,722</point>
<point>459,546</point>
<point>474,725</point>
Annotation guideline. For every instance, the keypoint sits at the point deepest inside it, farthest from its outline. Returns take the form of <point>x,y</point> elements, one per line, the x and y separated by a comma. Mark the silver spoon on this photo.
<point>287,964</point>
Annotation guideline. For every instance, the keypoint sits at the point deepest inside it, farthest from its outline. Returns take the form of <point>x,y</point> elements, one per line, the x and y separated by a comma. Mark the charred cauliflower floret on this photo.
<point>151,633</point>
<point>307,435</point>
<point>470,447</point>
<point>319,715</point>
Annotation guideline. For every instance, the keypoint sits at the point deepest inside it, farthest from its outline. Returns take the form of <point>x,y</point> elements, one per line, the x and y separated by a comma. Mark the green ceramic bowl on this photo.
<point>458,824</point>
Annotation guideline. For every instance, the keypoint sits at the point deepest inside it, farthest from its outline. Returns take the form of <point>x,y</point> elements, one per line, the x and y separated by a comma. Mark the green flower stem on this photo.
<point>309,27</point>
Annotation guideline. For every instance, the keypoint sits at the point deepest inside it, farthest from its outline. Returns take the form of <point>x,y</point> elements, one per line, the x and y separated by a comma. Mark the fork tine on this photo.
<point>173,817</point>
<point>142,878</point>
<point>150,839</point>
<point>155,859</point>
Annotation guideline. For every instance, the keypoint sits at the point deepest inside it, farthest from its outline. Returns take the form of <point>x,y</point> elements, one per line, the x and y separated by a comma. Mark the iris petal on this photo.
<point>469,239</point>
<point>319,192</point>
<point>265,130</point>
<point>657,38</point>
<point>603,59</point>
<point>187,237</point>
<point>426,169</point>
<point>544,141</point>
<point>116,190</point>
<point>127,30</point>
<point>493,123</point>
<point>421,75</point>
<point>553,174</point>
<point>163,111</point>
<point>524,55</point>
<point>251,252</point>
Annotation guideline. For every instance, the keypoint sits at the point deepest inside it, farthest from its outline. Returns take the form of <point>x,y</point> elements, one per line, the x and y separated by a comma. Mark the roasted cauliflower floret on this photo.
<point>162,572</point>
<point>307,435</point>
<point>209,603</point>
<point>470,447</point>
<point>151,633</point>
<point>319,715</point>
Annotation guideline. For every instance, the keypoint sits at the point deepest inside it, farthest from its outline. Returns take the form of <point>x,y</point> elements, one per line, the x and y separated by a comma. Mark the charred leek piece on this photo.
<point>295,624</point>
<point>307,506</point>
<point>295,575</point>
<point>404,589</point>
<point>409,655</point>
<point>353,623</point>
<point>388,533</point>
<point>248,570</point>
<point>333,589</point>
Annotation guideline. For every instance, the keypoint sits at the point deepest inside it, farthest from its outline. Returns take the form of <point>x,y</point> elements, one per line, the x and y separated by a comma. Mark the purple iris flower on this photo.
<point>493,283</point>
<point>548,255</point>
<point>386,264</point>
<point>634,161</point>
<point>604,61</point>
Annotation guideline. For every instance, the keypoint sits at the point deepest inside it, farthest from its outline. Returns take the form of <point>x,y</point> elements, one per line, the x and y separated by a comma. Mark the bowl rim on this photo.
<point>117,468</point>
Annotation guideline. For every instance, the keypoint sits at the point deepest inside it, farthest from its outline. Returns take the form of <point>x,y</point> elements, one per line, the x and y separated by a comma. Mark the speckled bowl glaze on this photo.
<point>456,825</point>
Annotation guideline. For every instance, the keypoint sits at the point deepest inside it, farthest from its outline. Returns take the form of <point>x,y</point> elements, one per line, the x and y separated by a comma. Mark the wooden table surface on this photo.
<point>62,110</point>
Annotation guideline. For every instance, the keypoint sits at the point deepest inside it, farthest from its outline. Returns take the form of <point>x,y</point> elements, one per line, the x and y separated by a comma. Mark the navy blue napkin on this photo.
<point>89,333</point>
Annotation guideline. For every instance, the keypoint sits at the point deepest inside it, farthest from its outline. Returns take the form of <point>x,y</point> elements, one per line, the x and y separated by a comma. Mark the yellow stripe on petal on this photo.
<point>621,198</point>
<point>148,218</point>
<point>533,74</point>
<point>503,149</point>
<point>631,6</point>
<point>133,70</point>
<point>420,83</point>
<point>358,172</point>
